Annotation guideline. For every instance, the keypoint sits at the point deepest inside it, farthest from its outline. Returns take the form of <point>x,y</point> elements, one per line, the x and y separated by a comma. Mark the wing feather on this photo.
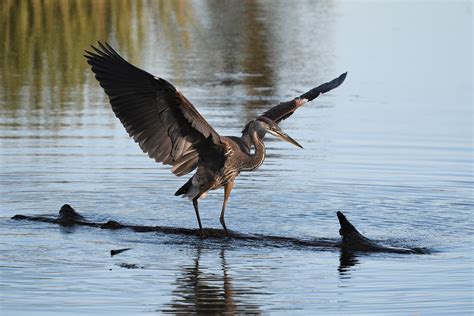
<point>286,109</point>
<point>157,116</point>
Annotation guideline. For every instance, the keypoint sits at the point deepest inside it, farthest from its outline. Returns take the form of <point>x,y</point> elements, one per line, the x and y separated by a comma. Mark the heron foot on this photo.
<point>223,226</point>
<point>203,234</point>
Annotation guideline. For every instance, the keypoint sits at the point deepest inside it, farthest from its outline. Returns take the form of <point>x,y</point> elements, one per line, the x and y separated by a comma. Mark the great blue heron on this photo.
<point>170,129</point>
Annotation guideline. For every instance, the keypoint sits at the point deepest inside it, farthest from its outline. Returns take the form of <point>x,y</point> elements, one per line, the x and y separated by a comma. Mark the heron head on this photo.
<point>271,127</point>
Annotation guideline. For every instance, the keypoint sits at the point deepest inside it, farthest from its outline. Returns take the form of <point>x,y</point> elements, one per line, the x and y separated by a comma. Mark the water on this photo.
<point>391,147</point>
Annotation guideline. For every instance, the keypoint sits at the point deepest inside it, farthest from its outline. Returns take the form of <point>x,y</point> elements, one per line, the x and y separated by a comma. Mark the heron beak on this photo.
<point>281,135</point>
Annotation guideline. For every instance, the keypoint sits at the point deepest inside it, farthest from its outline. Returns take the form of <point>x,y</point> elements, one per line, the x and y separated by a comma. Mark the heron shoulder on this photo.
<point>236,145</point>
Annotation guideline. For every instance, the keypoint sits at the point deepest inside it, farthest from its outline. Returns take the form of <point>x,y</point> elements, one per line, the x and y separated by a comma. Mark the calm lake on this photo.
<point>392,148</point>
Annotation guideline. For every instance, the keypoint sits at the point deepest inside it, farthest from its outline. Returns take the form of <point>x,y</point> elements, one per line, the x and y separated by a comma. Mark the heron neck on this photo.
<point>256,159</point>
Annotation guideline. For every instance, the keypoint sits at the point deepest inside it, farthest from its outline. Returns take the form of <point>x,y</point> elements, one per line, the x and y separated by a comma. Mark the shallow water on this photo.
<point>391,147</point>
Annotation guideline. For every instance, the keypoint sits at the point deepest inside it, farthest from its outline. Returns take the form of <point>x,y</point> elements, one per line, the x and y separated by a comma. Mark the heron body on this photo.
<point>170,130</point>
<point>237,157</point>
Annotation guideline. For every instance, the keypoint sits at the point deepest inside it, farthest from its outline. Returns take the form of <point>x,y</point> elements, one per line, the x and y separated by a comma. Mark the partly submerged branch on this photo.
<point>352,239</point>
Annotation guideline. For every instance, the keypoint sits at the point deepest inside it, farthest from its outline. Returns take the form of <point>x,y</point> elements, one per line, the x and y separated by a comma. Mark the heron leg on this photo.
<point>196,209</point>
<point>227,188</point>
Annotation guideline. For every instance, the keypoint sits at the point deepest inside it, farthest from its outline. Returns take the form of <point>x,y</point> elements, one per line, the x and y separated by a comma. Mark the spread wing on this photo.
<point>286,109</point>
<point>158,117</point>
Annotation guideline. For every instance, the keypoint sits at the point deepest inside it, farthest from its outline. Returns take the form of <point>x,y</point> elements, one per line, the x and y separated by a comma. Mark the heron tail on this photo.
<point>185,188</point>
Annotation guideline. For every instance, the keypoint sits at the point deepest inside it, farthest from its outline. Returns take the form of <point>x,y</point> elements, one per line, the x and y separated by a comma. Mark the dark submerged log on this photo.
<point>352,239</point>
<point>114,252</point>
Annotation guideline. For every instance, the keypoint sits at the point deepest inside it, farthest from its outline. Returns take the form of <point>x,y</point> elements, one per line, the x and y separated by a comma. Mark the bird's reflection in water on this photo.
<point>199,291</point>
<point>347,259</point>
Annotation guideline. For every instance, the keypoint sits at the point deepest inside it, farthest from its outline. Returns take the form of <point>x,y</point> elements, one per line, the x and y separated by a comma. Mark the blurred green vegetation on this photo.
<point>233,45</point>
<point>43,40</point>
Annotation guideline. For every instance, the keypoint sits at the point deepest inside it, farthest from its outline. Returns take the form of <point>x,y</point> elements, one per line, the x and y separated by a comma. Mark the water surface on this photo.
<point>391,147</point>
